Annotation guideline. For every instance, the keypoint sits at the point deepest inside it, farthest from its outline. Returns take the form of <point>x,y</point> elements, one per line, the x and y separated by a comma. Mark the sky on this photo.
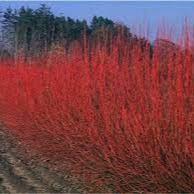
<point>137,15</point>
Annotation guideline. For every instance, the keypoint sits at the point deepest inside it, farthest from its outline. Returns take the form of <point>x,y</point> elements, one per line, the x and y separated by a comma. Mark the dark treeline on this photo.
<point>32,32</point>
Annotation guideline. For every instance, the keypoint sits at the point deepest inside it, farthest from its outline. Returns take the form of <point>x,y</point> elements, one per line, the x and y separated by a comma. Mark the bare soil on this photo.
<point>19,175</point>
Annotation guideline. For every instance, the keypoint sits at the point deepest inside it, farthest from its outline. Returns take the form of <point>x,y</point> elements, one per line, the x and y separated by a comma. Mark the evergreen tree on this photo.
<point>35,31</point>
<point>10,30</point>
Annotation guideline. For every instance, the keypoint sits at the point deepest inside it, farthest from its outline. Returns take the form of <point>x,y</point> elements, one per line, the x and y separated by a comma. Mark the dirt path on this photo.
<point>20,176</point>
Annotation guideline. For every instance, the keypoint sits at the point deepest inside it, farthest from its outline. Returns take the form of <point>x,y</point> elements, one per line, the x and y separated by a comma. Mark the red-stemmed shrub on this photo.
<point>120,114</point>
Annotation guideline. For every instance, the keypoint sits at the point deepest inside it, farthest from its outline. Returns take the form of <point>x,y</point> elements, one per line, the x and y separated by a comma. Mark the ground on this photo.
<point>18,175</point>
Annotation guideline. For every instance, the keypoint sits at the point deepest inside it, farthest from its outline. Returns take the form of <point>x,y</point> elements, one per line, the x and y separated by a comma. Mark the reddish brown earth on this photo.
<point>19,175</point>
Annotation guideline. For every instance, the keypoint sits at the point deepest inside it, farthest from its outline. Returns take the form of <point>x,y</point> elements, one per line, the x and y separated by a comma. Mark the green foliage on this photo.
<point>35,31</point>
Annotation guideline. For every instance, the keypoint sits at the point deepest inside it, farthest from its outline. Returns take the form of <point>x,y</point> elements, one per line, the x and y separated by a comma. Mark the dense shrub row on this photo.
<point>122,116</point>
